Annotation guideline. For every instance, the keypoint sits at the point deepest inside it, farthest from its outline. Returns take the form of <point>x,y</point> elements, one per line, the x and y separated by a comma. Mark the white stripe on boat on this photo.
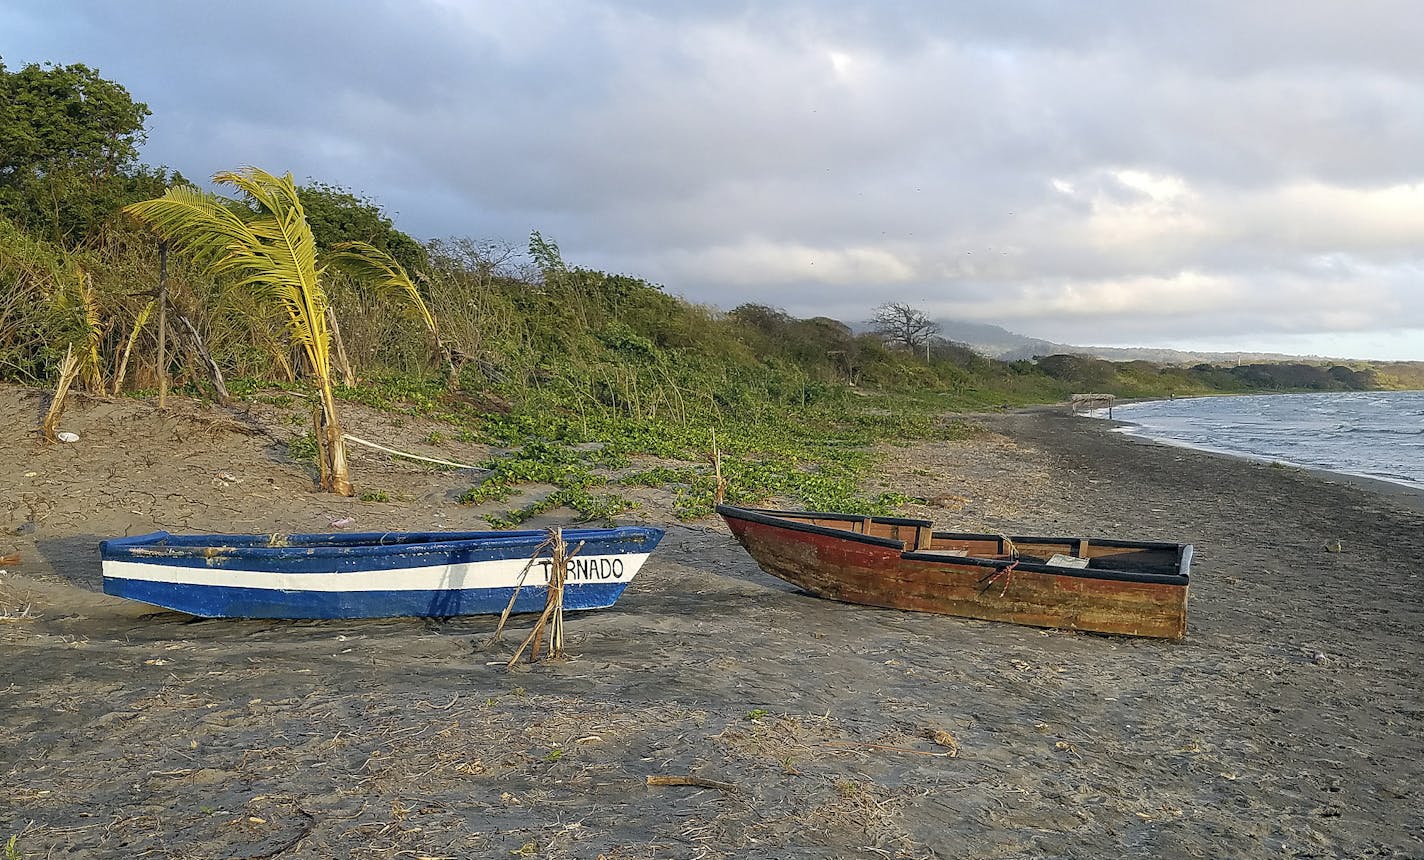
<point>498,573</point>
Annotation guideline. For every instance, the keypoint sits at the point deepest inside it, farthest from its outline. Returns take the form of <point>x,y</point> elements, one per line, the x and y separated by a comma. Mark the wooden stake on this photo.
<point>162,325</point>
<point>721,491</point>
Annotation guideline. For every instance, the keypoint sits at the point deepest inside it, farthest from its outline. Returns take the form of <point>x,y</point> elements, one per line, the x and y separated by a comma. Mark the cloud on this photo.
<point>1160,171</point>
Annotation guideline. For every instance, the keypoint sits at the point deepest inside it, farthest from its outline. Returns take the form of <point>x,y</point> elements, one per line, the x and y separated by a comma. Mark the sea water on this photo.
<point>1376,434</point>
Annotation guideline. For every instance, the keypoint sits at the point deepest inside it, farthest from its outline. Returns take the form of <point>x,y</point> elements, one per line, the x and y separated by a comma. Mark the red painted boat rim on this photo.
<point>787,520</point>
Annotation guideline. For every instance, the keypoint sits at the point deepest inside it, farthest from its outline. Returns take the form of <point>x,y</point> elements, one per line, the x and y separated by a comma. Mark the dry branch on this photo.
<point>553,614</point>
<point>200,349</point>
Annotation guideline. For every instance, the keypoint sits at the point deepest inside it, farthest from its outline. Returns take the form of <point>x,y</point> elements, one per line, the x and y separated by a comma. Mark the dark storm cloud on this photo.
<point>1155,170</point>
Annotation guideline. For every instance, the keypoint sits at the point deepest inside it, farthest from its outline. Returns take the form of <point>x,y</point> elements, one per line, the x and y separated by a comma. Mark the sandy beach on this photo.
<point>1288,723</point>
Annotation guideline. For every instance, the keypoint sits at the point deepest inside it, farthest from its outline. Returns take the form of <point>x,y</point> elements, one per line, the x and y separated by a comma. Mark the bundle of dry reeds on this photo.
<point>552,618</point>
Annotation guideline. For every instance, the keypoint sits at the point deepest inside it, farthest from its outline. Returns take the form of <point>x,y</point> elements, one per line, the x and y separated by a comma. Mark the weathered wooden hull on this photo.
<point>1130,588</point>
<point>376,575</point>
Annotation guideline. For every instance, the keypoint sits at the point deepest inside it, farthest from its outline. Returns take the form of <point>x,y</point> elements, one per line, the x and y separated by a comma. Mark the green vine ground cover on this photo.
<point>815,456</point>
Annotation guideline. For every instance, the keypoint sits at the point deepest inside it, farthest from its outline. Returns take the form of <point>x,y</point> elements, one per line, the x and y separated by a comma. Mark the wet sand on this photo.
<point>1289,722</point>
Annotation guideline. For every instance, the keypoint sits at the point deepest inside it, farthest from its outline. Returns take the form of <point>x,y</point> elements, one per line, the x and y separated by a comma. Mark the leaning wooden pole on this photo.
<point>200,350</point>
<point>343,362</point>
<point>162,325</point>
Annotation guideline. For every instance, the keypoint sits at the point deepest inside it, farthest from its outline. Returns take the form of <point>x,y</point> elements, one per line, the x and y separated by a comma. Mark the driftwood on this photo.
<point>697,781</point>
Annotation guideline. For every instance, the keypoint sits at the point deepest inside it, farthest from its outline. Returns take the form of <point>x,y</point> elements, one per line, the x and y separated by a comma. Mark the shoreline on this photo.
<point>1408,494</point>
<point>1403,489</point>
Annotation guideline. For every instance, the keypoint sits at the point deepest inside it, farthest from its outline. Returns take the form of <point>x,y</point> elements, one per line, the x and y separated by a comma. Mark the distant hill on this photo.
<point>998,342</point>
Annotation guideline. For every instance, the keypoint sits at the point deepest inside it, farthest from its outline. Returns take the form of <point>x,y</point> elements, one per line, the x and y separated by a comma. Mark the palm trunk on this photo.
<point>335,476</point>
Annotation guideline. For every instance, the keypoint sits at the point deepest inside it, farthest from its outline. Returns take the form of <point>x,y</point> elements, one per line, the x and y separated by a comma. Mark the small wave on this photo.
<point>1364,434</point>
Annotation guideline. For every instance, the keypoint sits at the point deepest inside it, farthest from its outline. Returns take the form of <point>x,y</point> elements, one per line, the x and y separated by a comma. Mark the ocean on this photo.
<point>1375,434</point>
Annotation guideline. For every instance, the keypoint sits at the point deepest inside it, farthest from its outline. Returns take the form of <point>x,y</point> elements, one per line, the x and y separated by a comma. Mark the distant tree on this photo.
<point>69,144</point>
<point>901,325</point>
<point>767,321</point>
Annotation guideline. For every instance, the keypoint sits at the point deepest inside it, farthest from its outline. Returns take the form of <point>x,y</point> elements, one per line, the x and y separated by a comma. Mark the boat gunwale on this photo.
<point>158,545</point>
<point>778,520</point>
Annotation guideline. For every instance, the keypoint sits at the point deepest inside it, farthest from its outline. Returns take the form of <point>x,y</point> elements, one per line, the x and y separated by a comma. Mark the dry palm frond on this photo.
<point>91,334</point>
<point>68,369</point>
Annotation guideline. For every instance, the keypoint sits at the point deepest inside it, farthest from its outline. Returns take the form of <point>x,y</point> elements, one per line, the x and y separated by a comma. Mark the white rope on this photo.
<point>359,441</point>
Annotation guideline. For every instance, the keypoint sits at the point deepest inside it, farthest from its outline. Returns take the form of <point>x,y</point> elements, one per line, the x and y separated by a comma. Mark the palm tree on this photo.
<point>272,253</point>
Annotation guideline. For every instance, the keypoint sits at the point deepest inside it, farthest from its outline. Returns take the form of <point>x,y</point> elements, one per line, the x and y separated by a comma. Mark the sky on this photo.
<point>1205,175</point>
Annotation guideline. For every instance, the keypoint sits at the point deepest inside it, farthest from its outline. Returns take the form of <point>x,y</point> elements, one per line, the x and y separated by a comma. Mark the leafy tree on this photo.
<point>903,325</point>
<point>69,150</point>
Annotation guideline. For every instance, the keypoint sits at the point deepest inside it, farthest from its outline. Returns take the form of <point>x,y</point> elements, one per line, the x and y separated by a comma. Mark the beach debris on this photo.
<point>695,781</point>
<point>944,739</point>
<point>948,501</point>
<point>519,585</point>
<point>343,522</point>
<point>8,560</point>
<point>66,436</point>
<point>1319,658</point>
<point>1334,546</point>
<point>226,478</point>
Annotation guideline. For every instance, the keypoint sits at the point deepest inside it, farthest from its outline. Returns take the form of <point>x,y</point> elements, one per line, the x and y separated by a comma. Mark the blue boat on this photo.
<point>370,575</point>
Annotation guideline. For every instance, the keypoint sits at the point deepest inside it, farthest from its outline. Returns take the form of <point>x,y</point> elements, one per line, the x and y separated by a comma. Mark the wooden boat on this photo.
<point>1135,588</point>
<point>372,575</point>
